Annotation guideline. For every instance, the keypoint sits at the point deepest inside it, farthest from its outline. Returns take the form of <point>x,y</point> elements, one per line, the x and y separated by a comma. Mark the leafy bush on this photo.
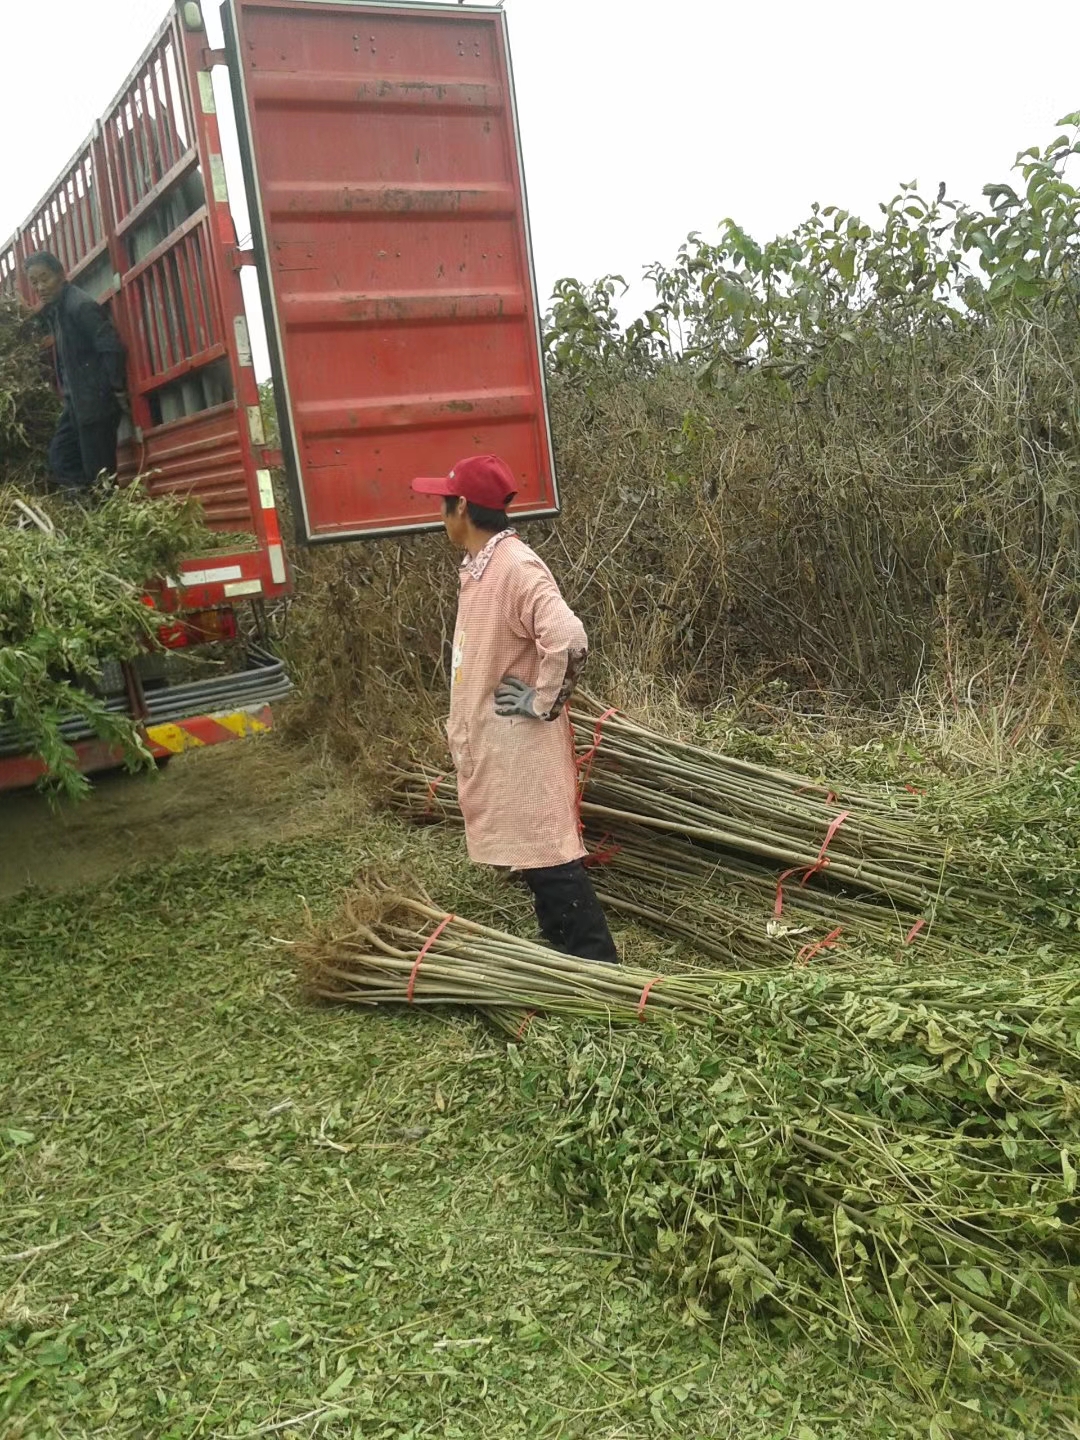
<point>849,455</point>
<point>72,599</point>
<point>845,462</point>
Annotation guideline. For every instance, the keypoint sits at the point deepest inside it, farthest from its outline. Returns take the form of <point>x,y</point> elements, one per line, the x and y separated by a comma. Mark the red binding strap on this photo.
<point>830,795</point>
<point>423,951</point>
<point>604,853</point>
<point>807,953</point>
<point>810,871</point>
<point>429,807</point>
<point>920,924</point>
<point>529,1015</point>
<point>645,995</point>
<point>583,765</point>
<point>584,761</point>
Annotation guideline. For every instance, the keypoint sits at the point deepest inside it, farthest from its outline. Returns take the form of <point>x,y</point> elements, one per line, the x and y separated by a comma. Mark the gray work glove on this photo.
<point>514,697</point>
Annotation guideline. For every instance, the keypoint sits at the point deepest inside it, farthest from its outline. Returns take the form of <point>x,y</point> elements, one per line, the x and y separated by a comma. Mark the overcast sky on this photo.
<point>644,121</point>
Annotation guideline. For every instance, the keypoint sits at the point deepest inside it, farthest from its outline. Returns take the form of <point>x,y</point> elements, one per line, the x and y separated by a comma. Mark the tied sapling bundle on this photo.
<point>729,907</point>
<point>869,842</point>
<point>891,1163</point>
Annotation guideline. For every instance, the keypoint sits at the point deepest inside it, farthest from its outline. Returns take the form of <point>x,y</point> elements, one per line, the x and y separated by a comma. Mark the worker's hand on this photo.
<point>123,399</point>
<point>514,697</point>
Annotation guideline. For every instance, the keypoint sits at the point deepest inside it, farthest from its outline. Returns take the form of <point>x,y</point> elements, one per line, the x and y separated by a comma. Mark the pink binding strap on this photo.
<point>819,864</point>
<point>645,995</point>
<point>423,951</point>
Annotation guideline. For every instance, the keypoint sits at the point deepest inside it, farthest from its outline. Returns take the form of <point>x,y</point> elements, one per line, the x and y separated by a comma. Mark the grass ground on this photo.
<point>226,1212</point>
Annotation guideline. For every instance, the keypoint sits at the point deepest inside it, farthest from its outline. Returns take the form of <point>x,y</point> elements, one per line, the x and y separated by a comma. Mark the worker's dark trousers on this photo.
<point>568,912</point>
<point>78,453</point>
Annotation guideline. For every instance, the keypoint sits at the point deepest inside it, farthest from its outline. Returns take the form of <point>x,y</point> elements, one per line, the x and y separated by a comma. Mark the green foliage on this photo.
<point>28,403</point>
<point>1029,242</point>
<point>891,1170</point>
<point>268,406</point>
<point>73,598</point>
<point>836,283</point>
<point>847,459</point>
<point>244,1210</point>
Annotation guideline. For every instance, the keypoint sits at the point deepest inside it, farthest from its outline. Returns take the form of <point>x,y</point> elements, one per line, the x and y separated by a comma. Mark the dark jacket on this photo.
<point>89,355</point>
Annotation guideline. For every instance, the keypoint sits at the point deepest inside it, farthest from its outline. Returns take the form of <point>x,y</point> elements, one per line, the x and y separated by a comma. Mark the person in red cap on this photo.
<point>518,650</point>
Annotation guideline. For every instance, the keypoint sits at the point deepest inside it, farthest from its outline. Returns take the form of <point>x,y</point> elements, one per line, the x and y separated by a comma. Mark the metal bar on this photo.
<point>124,190</point>
<point>142,135</point>
<point>138,375</point>
<point>66,237</point>
<point>178,104</point>
<point>159,378</point>
<point>197,336</point>
<point>174,147</point>
<point>173,356</point>
<point>187,162</point>
<point>174,311</point>
<point>153,256</point>
<point>75,248</point>
<point>161,347</point>
<point>82,239</point>
<point>209,331</point>
<point>158,114</point>
<point>209,291</point>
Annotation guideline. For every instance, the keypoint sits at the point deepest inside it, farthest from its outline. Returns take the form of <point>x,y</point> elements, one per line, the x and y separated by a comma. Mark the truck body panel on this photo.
<point>140,219</point>
<point>383,168</point>
<point>389,216</point>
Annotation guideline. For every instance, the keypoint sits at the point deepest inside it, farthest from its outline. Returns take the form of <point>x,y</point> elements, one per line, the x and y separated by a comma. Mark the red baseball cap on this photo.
<point>484,479</point>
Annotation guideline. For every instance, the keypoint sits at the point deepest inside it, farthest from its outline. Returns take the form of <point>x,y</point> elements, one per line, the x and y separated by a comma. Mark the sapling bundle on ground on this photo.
<point>870,842</point>
<point>729,908</point>
<point>890,1163</point>
<point>73,596</point>
<point>387,948</point>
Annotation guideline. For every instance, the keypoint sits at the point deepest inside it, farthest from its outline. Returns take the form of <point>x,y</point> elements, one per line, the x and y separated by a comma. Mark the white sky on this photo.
<point>644,121</point>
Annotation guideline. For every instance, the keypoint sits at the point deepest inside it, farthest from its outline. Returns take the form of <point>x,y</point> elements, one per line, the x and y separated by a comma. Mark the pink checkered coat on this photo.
<point>516,776</point>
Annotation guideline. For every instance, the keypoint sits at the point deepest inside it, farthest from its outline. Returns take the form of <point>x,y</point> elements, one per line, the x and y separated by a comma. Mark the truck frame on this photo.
<point>382,163</point>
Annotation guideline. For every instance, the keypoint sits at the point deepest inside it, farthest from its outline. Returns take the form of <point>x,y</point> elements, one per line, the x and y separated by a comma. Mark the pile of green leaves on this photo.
<point>72,599</point>
<point>29,405</point>
<point>892,1166</point>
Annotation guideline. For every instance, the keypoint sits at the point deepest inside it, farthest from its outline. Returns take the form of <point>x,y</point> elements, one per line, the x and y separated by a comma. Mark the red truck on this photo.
<point>382,168</point>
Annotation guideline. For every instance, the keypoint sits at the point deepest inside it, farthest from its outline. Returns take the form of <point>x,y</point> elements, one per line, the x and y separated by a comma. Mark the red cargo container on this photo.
<point>387,198</point>
<point>381,159</point>
<point>141,220</point>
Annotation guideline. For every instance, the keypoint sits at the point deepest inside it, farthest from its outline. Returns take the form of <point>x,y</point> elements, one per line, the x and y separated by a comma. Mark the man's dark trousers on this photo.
<point>568,912</point>
<point>78,453</point>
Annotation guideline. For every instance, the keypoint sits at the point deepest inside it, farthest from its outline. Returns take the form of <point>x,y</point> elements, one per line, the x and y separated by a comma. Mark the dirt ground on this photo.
<point>224,797</point>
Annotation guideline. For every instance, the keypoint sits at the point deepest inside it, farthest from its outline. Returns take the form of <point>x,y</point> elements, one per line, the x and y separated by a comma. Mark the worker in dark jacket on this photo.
<point>90,365</point>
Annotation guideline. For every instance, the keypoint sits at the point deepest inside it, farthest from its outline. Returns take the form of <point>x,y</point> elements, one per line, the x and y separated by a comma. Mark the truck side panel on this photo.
<point>140,219</point>
<point>385,185</point>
